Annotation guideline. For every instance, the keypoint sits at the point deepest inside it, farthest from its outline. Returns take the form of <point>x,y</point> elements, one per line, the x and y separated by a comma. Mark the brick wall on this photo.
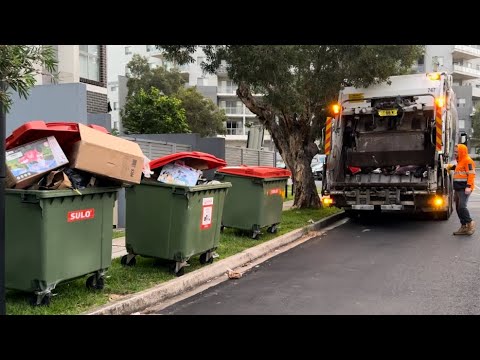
<point>96,102</point>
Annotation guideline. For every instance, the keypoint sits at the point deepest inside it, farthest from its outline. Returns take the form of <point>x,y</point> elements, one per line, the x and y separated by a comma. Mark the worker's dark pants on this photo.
<point>461,200</point>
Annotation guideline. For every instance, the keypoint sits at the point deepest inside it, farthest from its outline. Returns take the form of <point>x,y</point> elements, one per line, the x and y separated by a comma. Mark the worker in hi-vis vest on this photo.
<point>463,185</point>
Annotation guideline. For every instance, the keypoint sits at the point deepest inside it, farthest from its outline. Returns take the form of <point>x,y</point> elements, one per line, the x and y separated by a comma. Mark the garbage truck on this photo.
<point>386,145</point>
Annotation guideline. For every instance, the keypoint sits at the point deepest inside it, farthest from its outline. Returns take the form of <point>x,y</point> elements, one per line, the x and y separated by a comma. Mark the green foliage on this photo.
<point>149,112</point>
<point>298,83</point>
<point>203,116</point>
<point>142,77</point>
<point>302,78</point>
<point>18,66</point>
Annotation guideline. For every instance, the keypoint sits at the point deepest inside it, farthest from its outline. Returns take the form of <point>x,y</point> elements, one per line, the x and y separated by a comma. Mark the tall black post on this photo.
<point>2,204</point>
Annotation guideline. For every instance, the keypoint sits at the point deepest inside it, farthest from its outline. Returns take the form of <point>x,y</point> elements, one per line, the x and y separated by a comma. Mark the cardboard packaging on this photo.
<point>28,163</point>
<point>106,155</point>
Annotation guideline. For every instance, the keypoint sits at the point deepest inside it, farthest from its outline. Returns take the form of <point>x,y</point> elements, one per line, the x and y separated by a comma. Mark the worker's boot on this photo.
<point>471,227</point>
<point>461,231</point>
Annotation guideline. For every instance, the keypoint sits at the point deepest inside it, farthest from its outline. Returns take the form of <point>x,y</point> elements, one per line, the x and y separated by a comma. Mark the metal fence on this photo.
<point>235,156</point>
<point>154,149</point>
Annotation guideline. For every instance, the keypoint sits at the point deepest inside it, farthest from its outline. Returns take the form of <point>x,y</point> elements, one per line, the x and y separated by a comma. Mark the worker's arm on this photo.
<point>449,167</point>
<point>471,175</point>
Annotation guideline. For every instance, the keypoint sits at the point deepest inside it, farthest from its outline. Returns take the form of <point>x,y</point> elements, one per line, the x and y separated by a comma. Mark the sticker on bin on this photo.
<point>207,211</point>
<point>80,215</point>
<point>276,191</point>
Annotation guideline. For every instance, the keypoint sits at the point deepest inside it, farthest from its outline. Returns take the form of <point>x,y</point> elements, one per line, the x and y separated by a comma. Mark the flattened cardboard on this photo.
<point>107,155</point>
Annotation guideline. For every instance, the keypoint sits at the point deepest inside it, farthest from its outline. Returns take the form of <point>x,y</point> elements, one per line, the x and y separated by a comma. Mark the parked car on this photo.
<point>317,166</point>
<point>281,164</point>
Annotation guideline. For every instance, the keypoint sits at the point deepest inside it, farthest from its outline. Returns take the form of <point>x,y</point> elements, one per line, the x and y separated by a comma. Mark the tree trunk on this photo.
<point>299,163</point>
<point>292,135</point>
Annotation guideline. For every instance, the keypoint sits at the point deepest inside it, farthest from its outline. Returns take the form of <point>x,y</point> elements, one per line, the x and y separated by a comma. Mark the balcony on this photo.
<point>238,110</point>
<point>475,92</point>
<point>235,131</point>
<point>461,72</point>
<point>227,90</point>
<point>222,71</point>
<point>465,52</point>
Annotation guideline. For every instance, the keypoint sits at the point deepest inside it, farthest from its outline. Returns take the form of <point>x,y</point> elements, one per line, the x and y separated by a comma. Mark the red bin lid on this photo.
<point>212,161</point>
<point>64,132</point>
<point>263,172</point>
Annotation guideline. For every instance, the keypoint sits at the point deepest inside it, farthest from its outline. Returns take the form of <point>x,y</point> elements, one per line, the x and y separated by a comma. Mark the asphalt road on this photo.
<point>386,265</point>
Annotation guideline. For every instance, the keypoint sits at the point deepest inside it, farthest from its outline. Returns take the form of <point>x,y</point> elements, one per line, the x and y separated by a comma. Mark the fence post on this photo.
<point>259,163</point>
<point>241,156</point>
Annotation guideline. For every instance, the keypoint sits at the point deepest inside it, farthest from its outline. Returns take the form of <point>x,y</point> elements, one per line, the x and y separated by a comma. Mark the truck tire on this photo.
<point>445,215</point>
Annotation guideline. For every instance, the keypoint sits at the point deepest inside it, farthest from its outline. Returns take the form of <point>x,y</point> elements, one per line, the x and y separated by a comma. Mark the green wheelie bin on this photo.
<point>256,198</point>
<point>57,235</point>
<point>173,222</point>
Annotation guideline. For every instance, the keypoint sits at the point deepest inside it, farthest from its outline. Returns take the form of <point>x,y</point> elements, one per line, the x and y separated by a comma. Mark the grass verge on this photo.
<point>74,298</point>
<point>118,234</point>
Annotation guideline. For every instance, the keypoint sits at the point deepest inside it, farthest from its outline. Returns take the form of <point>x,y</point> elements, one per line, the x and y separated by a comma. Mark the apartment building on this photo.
<point>79,93</point>
<point>463,62</point>
<point>219,88</point>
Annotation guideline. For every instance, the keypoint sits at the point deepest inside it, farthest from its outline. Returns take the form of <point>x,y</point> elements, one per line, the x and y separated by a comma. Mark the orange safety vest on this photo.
<point>464,175</point>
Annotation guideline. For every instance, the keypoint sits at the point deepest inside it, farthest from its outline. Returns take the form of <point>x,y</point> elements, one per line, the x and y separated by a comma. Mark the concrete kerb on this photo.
<point>144,299</point>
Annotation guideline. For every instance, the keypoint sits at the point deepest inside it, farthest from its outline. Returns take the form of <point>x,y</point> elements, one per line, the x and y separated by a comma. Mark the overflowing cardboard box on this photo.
<point>106,155</point>
<point>28,163</point>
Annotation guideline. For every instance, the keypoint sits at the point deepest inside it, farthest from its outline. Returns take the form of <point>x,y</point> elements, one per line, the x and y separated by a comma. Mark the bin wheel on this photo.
<point>273,229</point>
<point>44,302</point>
<point>180,272</point>
<point>255,235</point>
<point>222,228</point>
<point>203,258</point>
<point>95,283</point>
<point>124,262</point>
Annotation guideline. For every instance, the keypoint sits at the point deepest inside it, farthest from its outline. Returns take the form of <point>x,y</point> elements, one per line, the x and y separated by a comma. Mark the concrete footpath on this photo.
<point>208,274</point>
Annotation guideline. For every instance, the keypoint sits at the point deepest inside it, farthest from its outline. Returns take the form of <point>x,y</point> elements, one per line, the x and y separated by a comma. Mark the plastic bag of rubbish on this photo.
<point>79,179</point>
<point>147,172</point>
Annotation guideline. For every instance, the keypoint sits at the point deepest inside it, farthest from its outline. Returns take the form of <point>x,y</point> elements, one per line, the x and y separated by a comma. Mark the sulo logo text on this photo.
<point>79,215</point>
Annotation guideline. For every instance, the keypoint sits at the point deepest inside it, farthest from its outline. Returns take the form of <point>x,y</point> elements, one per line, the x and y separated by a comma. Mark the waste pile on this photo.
<point>183,168</point>
<point>59,156</point>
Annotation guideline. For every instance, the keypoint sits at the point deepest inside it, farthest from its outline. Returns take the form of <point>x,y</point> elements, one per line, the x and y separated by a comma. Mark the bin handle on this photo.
<point>28,199</point>
<point>178,191</point>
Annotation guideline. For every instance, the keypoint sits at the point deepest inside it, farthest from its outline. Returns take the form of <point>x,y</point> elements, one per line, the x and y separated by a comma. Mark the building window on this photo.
<point>461,103</point>
<point>115,125</point>
<point>89,62</point>
<point>227,87</point>
<point>115,106</point>
<point>461,124</point>
<point>233,107</point>
<point>234,127</point>
<point>128,50</point>
<point>113,88</point>
<point>127,71</point>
